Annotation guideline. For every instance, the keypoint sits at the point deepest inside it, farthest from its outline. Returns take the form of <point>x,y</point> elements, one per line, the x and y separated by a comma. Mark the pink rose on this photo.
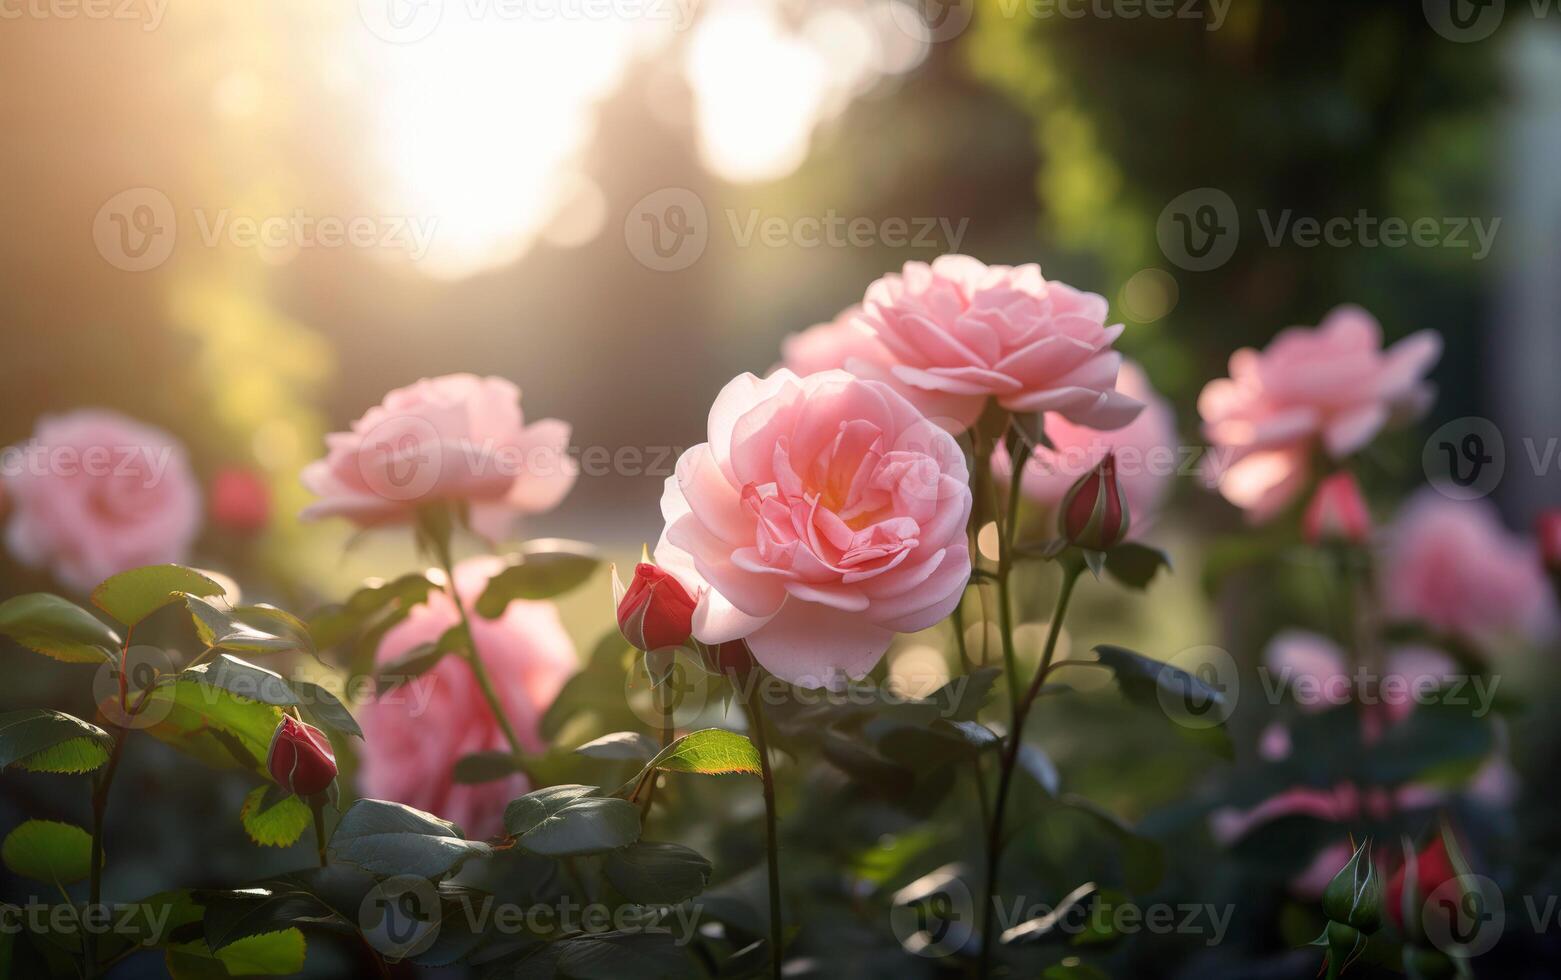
<point>1145,450</point>
<point>457,438</point>
<point>1313,668</point>
<point>828,346</point>
<point>416,733</point>
<point>824,515</point>
<point>1332,386</point>
<point>961,332</point>
<point>94,493</point>
<point>1452,564</point>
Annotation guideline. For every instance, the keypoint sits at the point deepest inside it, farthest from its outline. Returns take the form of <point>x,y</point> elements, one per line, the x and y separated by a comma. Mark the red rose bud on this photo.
<point>1094,512</point>
<point>1548,530</point>
<point>1433,869</point>
<point>1337,512</point>
<point>240,501</point>
<point>656,611</point>
<point>301,760</point>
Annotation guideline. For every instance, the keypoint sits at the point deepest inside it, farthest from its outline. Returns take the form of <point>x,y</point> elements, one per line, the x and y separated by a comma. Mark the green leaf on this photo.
<point>56,628</point>
<point>278,622</point>
<point>1143,860</point>
<point>711,751</point>
<point>229,673</point>
<point>411,665</point>
<point>622,746</point>
<point>1135,565</point>
<point>391,838</point>
<point>1156,684</point>
<point>382,602</point>
<point>657,873</point>
<point>211,724</point>
<point>1045,927</point>
<point>485,767</point>
<point>1439,742</point>
<point>48,851</point>
<point>273,817</point>
<point>561,821</point>
<point>610,956</point>
<point>231,916</point>
<point>270,955</point>
<point>221,628</point>
<point>134,595</point>
<point>41,740</point>
<point>325,709</point>
<point>543,569</point>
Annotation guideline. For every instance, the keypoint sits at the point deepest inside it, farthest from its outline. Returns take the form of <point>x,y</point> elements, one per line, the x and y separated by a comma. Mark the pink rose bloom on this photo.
<point>416,733</point>
<point>1452,564</point>
<point>828,346</point>
<point>962,332</point>
<point>824,515</point>
<point>94,493</point>
<point>1145,450</point>
<point>455,438</point>
<point>1332,386</point>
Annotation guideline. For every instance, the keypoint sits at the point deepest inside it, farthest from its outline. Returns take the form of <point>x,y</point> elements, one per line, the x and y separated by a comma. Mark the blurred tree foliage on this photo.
<point>1324,108</point>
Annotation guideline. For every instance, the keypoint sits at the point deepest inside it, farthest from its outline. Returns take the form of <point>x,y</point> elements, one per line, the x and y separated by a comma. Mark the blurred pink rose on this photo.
<point>960,332</point>
<point>415,734</point>
<point>1453,565</point>
<point>94,493</point>
<point>1332,386</point>
<point>1146,452</point>
<point>828,346</point>
<point>457,437</point>
<point>824,515</point>
<point>1313,669</point>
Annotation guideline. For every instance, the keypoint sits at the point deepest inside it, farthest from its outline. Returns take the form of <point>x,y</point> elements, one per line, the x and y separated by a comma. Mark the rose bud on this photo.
<point>1337,512</point>
<point>656,611</point>
<point>1433,869</point>
<point>240,501</point>
<point>1548,530</point>
<point>1354,896</point>
<point>300,759</point>
<point>1093,514</point>
<point>730,658</point>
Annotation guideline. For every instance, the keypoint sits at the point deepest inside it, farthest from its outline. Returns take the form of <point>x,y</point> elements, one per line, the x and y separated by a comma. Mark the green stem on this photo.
<point>319,829</point>
<point>659,696</point>
<point>994,842</point>
<point>100,788</point>
<point>473,657</point>
<point>772,853</point>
